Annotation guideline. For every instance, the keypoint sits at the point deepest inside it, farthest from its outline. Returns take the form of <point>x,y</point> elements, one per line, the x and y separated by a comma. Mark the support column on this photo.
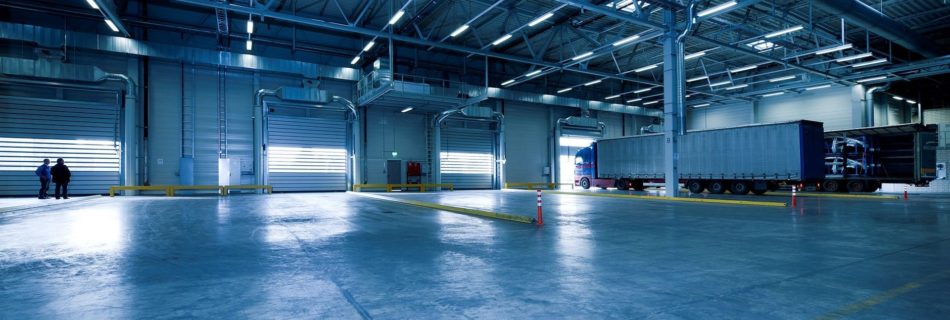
<point>673,111</point>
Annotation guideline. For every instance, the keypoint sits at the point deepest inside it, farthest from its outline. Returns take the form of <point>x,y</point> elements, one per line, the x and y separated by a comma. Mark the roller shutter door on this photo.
<point>467,159</point>
<point>85,134</point>
<point>306,153</point>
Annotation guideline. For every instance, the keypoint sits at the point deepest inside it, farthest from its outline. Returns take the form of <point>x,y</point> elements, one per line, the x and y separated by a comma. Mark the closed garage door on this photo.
<point>85,134</point>
<point>307,153</point>
<point>467,159</point>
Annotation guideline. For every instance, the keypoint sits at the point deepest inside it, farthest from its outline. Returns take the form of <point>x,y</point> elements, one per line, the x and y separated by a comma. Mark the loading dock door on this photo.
<point>83,131</point>
<point>468,158</point>
<point>307,153</point>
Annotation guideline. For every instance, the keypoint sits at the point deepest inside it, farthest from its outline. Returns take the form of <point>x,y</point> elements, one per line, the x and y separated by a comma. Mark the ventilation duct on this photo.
<point>866,17</point>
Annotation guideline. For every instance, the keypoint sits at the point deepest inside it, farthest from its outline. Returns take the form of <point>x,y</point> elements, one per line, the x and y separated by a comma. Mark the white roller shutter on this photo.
<point>467,159</point>
<point>85,134</point>
<point>307,153</point>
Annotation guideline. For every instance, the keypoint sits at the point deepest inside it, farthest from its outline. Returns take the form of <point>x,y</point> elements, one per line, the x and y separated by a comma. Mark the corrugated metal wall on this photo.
<point>832,106</point>
<point>468,158</point>
<point>719,116</point>
<point>390,130</point>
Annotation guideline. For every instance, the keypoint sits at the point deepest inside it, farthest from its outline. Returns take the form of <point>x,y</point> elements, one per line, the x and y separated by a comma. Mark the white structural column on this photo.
<point>673,112</point>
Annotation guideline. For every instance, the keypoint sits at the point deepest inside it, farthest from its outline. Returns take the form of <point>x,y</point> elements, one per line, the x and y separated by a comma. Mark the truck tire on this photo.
<point>716,187</point>
<point>623,184</point>
<point>831,186</point>
<point>637,185</point>
<point>871,186</point>
<point>739,187</point>
<point>695,186</point>
<point>856,186</point>
<point>585,183</point>
<point>759,192</point>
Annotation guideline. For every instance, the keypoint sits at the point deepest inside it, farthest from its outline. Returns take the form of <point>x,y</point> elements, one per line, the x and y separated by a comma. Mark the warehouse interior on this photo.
<point>475,159</point>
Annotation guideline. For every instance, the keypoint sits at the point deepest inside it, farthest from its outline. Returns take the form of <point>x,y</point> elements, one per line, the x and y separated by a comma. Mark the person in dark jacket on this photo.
<point>61,177</point>
<point>43,171</point>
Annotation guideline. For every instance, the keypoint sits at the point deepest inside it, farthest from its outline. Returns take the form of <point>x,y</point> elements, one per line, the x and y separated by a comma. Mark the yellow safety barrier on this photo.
<point>172,189</point>
<point>225,190</point>
<point>631,196</point>
<point>535,185</point>
<point>389,187</point>
<point>113,189</point>
<point>474,212</point>
<point>836,195</point>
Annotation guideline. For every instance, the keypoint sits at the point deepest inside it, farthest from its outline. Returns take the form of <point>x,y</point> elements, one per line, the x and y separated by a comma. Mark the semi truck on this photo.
<point>753,158</point>
<point>860,160</point>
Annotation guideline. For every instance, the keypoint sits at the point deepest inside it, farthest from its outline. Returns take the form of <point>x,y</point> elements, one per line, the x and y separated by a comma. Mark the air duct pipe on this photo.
<point>869,104</point>
<point>260,116</point>
<point>681,88</point>
<point>355,158</point>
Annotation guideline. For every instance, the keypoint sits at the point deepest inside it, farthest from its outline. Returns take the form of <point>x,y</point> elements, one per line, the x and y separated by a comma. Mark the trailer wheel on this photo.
<point>623,184</point>
<point>716,187</point>
<point>585,183</point>
<point>772,186</point>
<point>856,186</point>
<point>831,186</point>
<point>871,186</point>
<point>739,187</point>
<point>759,192</point>
<point>695,186</point>
<point>638,185</point>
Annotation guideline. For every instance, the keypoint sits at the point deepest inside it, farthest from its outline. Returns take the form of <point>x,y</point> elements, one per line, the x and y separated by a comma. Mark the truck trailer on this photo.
<point>860,160</point>
<point>753,158</point>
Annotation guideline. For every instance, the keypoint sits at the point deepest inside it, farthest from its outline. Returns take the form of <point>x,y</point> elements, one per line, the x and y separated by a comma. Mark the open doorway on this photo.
<point>569,146</point>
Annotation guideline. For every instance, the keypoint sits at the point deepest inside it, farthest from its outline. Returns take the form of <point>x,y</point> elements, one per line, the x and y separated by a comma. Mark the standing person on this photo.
<point>43,171</point>
<point>61,177</point>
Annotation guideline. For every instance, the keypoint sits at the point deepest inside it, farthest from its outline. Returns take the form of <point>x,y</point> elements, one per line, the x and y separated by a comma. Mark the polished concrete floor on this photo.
<point>343,256</point>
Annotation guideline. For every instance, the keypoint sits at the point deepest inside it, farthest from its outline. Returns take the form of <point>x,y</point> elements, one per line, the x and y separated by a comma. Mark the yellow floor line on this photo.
<point>474,212</point>
<point>631,196</point>
<point>882,297</point>
<point>833,195</point>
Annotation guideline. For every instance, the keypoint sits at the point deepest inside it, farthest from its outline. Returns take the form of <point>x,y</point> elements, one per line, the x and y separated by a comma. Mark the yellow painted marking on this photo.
<point>836,195</point>
<point>631,196</point>
<point>167,189</point>
<point>225,190</point>
<point>474,212</point>
<point>884,296</point>
<point>389,187</point>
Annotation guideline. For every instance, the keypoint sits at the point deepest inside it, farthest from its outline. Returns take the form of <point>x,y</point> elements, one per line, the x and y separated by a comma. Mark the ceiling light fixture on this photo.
<point>592,83</point>
<point>369,46</point>
<point>721,83</point>
<point>396,17</point>
<point>626,40</point>
<point>250,25</point>
<point>533,73</point>
<point>111,25</point>
<point>459,31</point>
<point>737,87</point>
<point>565,90</point>
<point>540,19</point>
<point>583,55</point>
<point>93,4</point>
<point>507,83</point>
<point>911,101</point>
<point>715,9</point>
<point>855,57</point>
<point>407,109</point>
<point>784,31</point>
<point>643,90</point>
<point>651,102</point>
<point>642,69</point>
<point>501,40</point>
<point>834,49</point>
<point>701,105</point>
<point>355,60</point>
<point>634,100</point>
<point>249,45</point>
<point>613,97</point>
<point>869,63</point>
<point>898,98</point>
<point>694,55</point>
<point>872,79</point>
<point>697,78</point>
<point>818,87</point>
<point>773,94</point>
<point>779,79</point>
<point>746,68</point>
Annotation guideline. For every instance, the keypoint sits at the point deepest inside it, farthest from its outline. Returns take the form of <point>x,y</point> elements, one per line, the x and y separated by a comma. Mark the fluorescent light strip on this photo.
<point>565,90</point>
<point>93,4</point>
<point>540,19</point>
<point>111,25</point>
<point>746,68</point>
<point>911,101</point>
<point>634,100</point>
<point>355,60</point>
<point>784,31</point>
<point>869,63</point>
<point>613,97</point>
<point>249,45</point>
<point>715,9</point>
<point>694,55</point>
<point>651,102</point>
<point>697,78</point>
<point>583,55</point>
<point>407,109</point>
<point>898,98</point>
<point>773,94</point>
<point>626,40</point>
<point>459,31</point>
<point>507,83</point>
<point>737,87</point>
<point>855,57</point>
<point>701,105</point>
<point>779,79</point>
<point>250,26</point>
<point>592,83</point>
<point>872,79</point>
<point>369,46</point>
<point>834,49</point>
<point>818,87</point>
<point>533,73</point>
<point>396,17</point>
<point>649,67</point>
<point>722,83</point>
<point>501,40</point>
<point>643,90</point>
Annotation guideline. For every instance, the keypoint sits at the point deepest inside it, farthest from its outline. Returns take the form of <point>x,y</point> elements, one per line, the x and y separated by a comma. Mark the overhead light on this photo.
<point>540,19</point>
<point>834,49</point>
<point>746,68</point>
<point>396,17</point>
<point>715,9</point>
<point>643,90</point>
<point>784,31</point>
<point>501,40</point>
<point>507,83</point>
<point>697,78</point>
<point>869,63</point>
<point>533,73</point>
<point>737,87</point>
<point>369,45</point>
<point>355,60</point>
<point>407,109</point>
<point>855,57</point>
<point>779,79</point>
<point>818,87</point>
<point>898,98</point>
<point>565,90</point>
<point>694,55</point>
<point>642,69</point>
<point>250,25</point>
<point>459,31</point>
<point>651,102</point>
<point>111,25</point>
<point>911,101</point>
<point>249,45</point>
<point>773,94</point>
<point>872,79</point>
<point>93,4</point>
<point>634,100</point>
<point>721,83</point>
<point>583,55</point>
<point>626,40</point>
<point>592,83</point>
<point>701,105</point>
<point>613,97</point>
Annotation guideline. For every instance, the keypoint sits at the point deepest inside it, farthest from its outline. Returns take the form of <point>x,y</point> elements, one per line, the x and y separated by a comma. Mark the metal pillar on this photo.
<point>673,111</point>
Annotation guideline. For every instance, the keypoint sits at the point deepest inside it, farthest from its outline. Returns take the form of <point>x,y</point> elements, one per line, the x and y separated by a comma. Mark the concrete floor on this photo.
<point>343,256</point>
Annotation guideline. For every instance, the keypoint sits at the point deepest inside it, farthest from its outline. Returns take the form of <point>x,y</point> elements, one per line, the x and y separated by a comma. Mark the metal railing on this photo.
<point>378,80</point>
